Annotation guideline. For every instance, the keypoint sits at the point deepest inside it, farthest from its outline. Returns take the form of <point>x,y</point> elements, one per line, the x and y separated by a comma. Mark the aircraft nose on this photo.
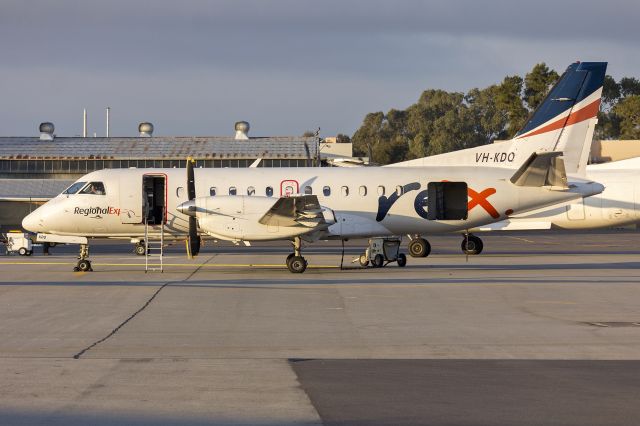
<point>32,222</point>
<point>188,208</point>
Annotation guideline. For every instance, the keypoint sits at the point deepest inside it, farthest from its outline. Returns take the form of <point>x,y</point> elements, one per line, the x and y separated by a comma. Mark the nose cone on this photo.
<point>32,222</point>
<point>188,208</point>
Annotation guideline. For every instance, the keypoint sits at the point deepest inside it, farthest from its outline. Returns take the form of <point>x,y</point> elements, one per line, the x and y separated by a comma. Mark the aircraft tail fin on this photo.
<point>566,119</point>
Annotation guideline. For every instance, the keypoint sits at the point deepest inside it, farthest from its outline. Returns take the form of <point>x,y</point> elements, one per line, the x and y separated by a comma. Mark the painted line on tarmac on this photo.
<point>197,265</point>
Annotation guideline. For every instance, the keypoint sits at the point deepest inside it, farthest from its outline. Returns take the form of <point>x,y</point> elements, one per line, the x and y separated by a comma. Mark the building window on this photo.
<point>363,190</point>
<point>308,190</point>
<point>233,190</point>
<point>345,191</point>
<point>212,191</point>
<point>326,191</point>
<point>251,190</point>
<point>269,191</point>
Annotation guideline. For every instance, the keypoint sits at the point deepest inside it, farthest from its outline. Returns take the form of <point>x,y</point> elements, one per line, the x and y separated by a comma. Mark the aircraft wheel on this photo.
<point>402,260</point>
<point>296,264</point>
<point>84,265</point>
<point>364,261</point>
<point>377,261</point>
<point>419,247</point>
<point>472,245</point>
<point>289,257</point>
<point>139,249</point>
<point>23,251</point>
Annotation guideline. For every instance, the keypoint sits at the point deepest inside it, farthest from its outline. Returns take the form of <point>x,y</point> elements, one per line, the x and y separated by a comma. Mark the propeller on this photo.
<point>193,242</point>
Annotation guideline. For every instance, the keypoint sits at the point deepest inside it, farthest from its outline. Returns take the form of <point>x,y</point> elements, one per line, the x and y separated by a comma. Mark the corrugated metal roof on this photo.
<point>34,188</point>
<point>164,147</point>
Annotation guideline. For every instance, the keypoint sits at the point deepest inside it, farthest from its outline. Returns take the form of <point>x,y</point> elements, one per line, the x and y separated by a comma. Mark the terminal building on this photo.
<point>35,169</point>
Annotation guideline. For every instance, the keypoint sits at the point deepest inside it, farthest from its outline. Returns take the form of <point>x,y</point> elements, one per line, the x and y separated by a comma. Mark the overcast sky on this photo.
<point>194,67</point>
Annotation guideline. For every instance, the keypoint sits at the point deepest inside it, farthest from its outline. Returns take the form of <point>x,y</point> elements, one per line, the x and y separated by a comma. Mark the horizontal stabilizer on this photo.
<point>542,169</point>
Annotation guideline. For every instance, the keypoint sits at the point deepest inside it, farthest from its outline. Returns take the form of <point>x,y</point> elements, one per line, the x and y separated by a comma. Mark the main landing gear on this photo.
<point>471,244</point>
<point>295,262</point>
<point>419,247</point>
<point>84,264</point>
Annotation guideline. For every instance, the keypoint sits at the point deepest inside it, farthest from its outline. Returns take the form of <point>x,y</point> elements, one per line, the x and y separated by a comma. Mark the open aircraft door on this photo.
<point>131,200</point>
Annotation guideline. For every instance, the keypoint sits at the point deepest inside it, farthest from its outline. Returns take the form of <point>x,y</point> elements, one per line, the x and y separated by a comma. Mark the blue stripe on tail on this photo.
<point>579,81</point>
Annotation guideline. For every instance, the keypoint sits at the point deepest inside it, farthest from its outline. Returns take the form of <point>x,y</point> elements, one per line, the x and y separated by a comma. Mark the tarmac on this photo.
<point>541,328</point>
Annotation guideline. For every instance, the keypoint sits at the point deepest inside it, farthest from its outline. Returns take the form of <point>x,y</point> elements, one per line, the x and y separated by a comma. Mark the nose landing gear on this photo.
<point>84,264</point>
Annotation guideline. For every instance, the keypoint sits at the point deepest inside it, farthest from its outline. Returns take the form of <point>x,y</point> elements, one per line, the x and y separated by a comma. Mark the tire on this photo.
<point>402,260</point>
<point>289,257</point>
<point>84,265</point>
<point>419,247</point>
<point>473,245</point>
<point>22,251</point>
<point>296,264</point>
<point>364,262</point>
<point>377,261</point>
<point>139,249</point>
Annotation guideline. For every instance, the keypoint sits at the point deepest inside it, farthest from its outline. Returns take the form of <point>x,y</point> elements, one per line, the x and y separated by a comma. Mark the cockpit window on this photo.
<point>94,188</point>
<point>74,188</point>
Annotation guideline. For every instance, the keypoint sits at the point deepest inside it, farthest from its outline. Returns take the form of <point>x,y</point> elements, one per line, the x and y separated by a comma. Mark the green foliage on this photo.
<point>628,111</point>
<point>442,121</point>
<point>538,82</point>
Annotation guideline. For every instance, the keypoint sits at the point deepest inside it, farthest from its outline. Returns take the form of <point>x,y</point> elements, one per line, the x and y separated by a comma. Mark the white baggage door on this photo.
<point>131,198</point>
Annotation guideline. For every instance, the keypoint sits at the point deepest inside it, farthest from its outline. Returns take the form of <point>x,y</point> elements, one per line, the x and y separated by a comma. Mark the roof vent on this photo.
<point>145,129</point>
<point>46,131</point>
<point>242,130</point>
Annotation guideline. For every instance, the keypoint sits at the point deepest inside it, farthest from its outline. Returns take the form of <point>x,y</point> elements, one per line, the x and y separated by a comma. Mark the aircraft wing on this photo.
<point>302,210</point>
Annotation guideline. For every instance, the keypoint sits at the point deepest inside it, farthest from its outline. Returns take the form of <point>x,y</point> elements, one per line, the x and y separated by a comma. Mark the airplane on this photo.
<point>618,205</point>
<point>311,204</point>
<point>568,115</point>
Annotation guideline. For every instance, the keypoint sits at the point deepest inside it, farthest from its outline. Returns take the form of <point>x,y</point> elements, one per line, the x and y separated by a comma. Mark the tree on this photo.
<point>509,100</point>
<point>537,84</point>
<point>308,134</point>
<point>629,86</point>
<point>628,110</point>
<point>340,138</point>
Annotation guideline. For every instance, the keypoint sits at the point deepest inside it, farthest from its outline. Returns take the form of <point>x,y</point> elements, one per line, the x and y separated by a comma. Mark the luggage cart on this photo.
<point>382,251</point>
<point>20,243</point>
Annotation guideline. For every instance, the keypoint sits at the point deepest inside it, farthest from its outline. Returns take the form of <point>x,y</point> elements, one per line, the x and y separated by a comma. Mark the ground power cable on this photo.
<point>132,316</point>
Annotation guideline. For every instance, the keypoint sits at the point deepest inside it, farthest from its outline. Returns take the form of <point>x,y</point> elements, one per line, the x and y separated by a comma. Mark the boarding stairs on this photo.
<point>154,248</point>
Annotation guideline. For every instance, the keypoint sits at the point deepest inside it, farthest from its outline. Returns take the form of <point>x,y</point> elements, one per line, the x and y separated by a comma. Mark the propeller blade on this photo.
<point>194,238</point>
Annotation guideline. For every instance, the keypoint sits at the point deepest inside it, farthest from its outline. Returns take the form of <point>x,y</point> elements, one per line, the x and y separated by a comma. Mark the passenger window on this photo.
<point>381,190</point>
<point>363,190</point>
<point>399,190</point>
<point>179,191</point>
<point>251,190</point>
<point>212,191</point>
<point>326,191</point>
<point>269,191</point>
<point>308,190</point>
<point>233,190</point>
<point>345,191</point>
<point>74,188</point>
<point>94,188</point>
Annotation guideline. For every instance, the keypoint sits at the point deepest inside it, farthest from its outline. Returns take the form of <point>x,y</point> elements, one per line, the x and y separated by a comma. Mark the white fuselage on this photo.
<point>363,201</point>
<point>617,205</point>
